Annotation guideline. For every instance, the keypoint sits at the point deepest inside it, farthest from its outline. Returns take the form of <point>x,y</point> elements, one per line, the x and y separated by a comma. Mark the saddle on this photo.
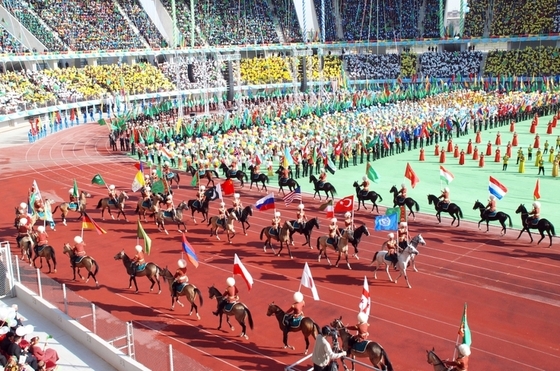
<point>170,175</point>
<point>283,181</point>
<point>363,193</point>
<point>444,205</point>
<point>179,287</point>
<point>73,206</point>
<point>400,200</point>
<point>491,213</point>
<point>255,176</point>
<point>360,346</point>
<point>294,321</point>
<point>140,267</point>
<point>391,258</point>
<point>147,204</point>
<point>221,222</point>
<point>273,231</point>
<point>168,214</point>
<point>78,259</point>
<point>112,202</point>
<point>38,248</point>
<point>196,204</point>
<point>229,306</point>
<point>232,172</point>
<point>296,225</point>
<point>331,241</point>
<point>534,221</point>
<point>320,184</point>
<point>201,172</point>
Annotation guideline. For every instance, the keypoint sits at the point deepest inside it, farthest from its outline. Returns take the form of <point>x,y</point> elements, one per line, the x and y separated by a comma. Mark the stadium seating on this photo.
<point>520,17</point>
<point>143,23</point>
<point>431,19</point>
<point>372,66</point>
<point>287,18</point>
<point>476,18</point>
<point>17,93</point>
<point>330,21</point>
<point>269,70</point>
<point>556,19</point>
<point>8,44</point>
<point>448,64</point>
<point>206,74</point>
<point>408,64</point>
<point>539,61</point>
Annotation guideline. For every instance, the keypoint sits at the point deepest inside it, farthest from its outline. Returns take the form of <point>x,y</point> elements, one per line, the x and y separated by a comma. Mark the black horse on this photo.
<point>304,229</point>
<point>258,178</point>
<point>358,233</point>
<point>452,209</point>
<point>208,174</point>
<point>196,205</point>
<point>319,186</point>
<point>408,202</point>
<point>283,182</point>
<point>370,196</point>
<point>239,175</point>
<point>485,216</point>
<point>542,225</point>
<point>246,212</point>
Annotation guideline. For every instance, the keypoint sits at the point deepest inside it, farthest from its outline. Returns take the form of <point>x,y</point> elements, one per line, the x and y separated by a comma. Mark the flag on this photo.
<point>36,195</point>
<point>141,233</point>
<point>288,160</point>
<point>102,122</point>
<point>411,175</point>
<point>266,203</point>
<point>219,191</point>
<point>307,281</point>
<point>331,168</point>
<point>294,195</point>
<point>138,182</point>
<point>158,187</point>
<point>139,166</point>
<point>227,187</point>
<point>464,330</point>
<point>75,189</point>
<point>178,126</point>
<point>387,222</point>
<point>167,153</point>
<point>97,179</point>
<point>328,207</point>
<point>371,173</point>
<point>88,223</point>
<point>445,176</point>
<point>394,210</point>
<point>191,255</point>
<point>239,268</point>
<point>194,180</point>
<point>365,302</point>
<point>537,191</point>
<point>345,204</point>
<point>496,188</point>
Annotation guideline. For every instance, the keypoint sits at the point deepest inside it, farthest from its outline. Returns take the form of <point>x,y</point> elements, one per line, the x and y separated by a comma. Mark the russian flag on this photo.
<point>496,188</point>
<point>266,203</point>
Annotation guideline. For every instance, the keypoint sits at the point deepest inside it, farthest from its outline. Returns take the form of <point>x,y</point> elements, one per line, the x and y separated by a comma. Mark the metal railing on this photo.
<point>294,366</point>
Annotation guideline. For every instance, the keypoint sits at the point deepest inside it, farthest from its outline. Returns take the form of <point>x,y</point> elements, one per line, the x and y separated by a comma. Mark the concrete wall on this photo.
<point>161,18</point>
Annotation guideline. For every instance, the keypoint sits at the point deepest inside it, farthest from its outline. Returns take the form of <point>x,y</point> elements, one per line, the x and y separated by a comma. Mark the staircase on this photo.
<point>131,24</point>
<point>421,17</point>
<point>338,19</point>
<point>276,22</point>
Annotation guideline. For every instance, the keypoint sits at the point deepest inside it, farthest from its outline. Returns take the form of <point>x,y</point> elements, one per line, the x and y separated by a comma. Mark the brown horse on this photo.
<point>322,244</point>
<point>307,326</point>
<point>87,262</point>
<point>46,252</point>
<point>226,226</point>
<point>207,174</point>
<point>238,310</point>
<point>162,215</point>
<point>434,360</point>
<point>107,203</point>
<point>151,271</point>
<point>375,352</point>
<point>142,210</point>
<point>26,246</point>
<point>78,207</point>
<point>190,291</point>
<point>283,237</point>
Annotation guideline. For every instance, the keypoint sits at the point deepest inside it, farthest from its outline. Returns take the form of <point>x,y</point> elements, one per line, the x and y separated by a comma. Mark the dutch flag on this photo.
<point>496,188</point>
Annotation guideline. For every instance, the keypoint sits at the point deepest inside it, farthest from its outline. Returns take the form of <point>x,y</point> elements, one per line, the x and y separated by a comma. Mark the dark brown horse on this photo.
<point>238,310</point>
<point>243,218</point>
<point>306,326</point>
<point>410,203</point>
<point>151,271</point>
<point>434,360</point>
<point>239,175</point>
<point>285,182</point>
<point>369,196</point>
<point>46,252</point>
<point>485,215</point>
<point>375,352</point>
<point>162,215</point>
<point>107,203</point>
<point>283,237</point>
<point>258,178</point>
<point>206,174</point>
<point>190,291</point>
<point>319,186</point>
<point>87,262</point>
<point>452,209</point>
<point>542,225</point>
<point>78,207</point>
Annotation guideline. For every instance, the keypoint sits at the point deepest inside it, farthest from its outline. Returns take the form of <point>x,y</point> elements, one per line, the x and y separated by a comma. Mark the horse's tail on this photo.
<point>96,265</point>
<point>380,198</point>
<point>249,317</point>
<point>460,211</point>
<point>552,229</point>
<point>374,257</point>
<point>509,219</point>
<point>316,330</point>
<point>389,366</point>
<point>99,203</point>
<point>262,232</point>
<point>267,180</point>
<point>210,221</point>
<point>197,291</point>
<point>297,184</point>
<point>318,244</point>
<point>418,206</point>
<point>54,211</point>
<point>333,190</point>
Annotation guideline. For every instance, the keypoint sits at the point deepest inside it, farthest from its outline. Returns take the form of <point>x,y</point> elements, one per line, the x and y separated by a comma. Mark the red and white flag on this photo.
<point>307,281</point>
<point>239,268</point>
<point>365,302</point>
<point>345,204</point>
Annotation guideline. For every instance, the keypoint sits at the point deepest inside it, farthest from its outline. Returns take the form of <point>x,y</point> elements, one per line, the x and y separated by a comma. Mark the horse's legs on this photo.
<point>241,322</point>
<point>338,259</point>
<point>229,323</point>
<point>387,265</point>
<point>438,216</point>
<point>504,229</point>
<point>347,262</point>
<point>542,235</point>
<point>74,271</point>
<point>413,263</point>
<point>64,218</point>
<point>264,186</point>
<point>289,250</point>
<point>220,323</point>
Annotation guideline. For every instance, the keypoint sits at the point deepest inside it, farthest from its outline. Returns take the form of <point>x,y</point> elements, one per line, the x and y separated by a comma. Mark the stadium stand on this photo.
<point>205,74</point>
<point>448,64</point>
<point>330,20</point>
<point>143,23</point>
<point>373,66</point>
<point>184,22</point>
<point>19,94</point>
<point>256,71</point>
<point>556,19</point>
<point>9,44</point>
<point>521,17</point>
<point>539,61</point>
<point>287,18</point>
<point>477,18</point>
<point>431,19</point>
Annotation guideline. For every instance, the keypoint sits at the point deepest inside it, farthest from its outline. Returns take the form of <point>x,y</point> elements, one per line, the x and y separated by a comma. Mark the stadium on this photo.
<point>237,118</point>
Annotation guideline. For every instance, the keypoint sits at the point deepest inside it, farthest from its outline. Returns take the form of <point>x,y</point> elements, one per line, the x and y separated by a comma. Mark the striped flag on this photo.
<point>88,224</point>
<point>294,195</point>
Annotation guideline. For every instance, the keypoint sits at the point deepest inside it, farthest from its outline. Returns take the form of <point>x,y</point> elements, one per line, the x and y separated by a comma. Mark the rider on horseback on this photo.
<point>147,195</point>
<point>334,233</point>
<point>180,276</point>
<point>462,361</point>
<point>24,229</point>
<point>78,249</point>
<point>401,195</point>
<point>285,174</point>
<point>200,196</point>
<point>73,197</point>
<point>322,178</point>
<point>229,296</point>
<point>113,195</point>
<point>348,222</point>
<point>155,176</point>
<point>237,205</point>
<point>137,260</point>
<point>301,217</point>
<point>233,167</point>
<point>147,180</point>
<point>165,167</point>
<point>276,223</point>
<point>403,235</point>
<point>535,214</point>
<point>223,214</point>
<point>491,207</point>
<point>42,239</point>
<point>392,249</point>
<point>445,199</point>
<point>362,328</point>
<point>365,186</point>
<point>295,311</point>
<point>22,209</point>
<point>170,206</point>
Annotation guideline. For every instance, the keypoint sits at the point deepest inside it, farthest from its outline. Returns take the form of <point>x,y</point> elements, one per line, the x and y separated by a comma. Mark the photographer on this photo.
<point>323,354</point>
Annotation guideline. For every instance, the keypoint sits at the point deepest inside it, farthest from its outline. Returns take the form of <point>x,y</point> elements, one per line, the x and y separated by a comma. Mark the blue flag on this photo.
<point>387,222</point>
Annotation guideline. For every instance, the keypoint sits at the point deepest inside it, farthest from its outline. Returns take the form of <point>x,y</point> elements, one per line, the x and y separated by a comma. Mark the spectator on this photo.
<point>323,354</point>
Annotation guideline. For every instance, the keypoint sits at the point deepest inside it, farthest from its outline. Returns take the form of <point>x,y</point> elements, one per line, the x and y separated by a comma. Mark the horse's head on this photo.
<point>432,199</point>
<point>418,240</point>
<point>348,234</point>
<point>337,323</point>
<point>521,209</point>
<point>355,185</point>
<point>433,358</point>
<point>248,210</point>
<point>272,309</point>
<point>394,189</point>
<point>364,229</point>
<point>123,196</point>
<point>66,249</point>
<point>119,255</point>
<point>288,225</point>
<point>213,292</point>
<point>182,206</point>
<point>232,216</point>
<point>411,250</point>
<point>279,170</point>
<point>312,179</point>
<point>315,222</point>
<point>166,274</point>
<point>478,205</point>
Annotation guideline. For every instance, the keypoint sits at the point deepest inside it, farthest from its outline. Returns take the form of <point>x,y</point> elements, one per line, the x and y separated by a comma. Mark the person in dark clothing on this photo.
<point>14,349</point>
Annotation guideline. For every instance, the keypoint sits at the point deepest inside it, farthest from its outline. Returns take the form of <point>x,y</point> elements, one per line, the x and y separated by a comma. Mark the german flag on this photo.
<point>88,223</point>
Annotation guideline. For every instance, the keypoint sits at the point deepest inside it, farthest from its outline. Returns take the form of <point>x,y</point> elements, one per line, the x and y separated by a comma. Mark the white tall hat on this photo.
<point>301,206</point>
<point>464,349</point>
<point>78,239</point>
<point>364,178</point>
<point>391,235</point>
<point>138,248</point>
<point>404,224</point>
<point>491,197</point>
<point>347,214</point>
<point>236,195</point>
<point>298,297</point>
<point>182,263</point>
<point>71,191</point>
<point>111,187</point>
<point>362,318</point>
<point>334,220</point>
<point>40,229</point>
<point>23,205</point>
<point>222,203</point>
<point>202,188</point>
<point>23,221</point>
<point>277,214</point>
<point>403,185</point>
<point>230,281</point>
<point>446,189</point>
<point>536,204</point>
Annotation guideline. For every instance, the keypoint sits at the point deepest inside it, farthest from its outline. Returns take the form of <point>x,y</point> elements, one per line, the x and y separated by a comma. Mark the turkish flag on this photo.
<point>227,187</point>
<point>411,175</point>
<point>346,204</point>
<point>338,148</point>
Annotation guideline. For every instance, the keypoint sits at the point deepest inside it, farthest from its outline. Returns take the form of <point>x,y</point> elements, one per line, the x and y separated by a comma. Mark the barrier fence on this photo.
<point>297,366</point>
<point>139,344</point>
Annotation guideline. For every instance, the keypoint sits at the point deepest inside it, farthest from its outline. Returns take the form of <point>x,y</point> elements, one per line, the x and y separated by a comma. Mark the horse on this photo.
<point>435,361</point>
<point>206,174</point>
<point>243,217</point>
<point>452,209</point>
<point>162,215</point>
<point>46,252</point>
<point>358,233</point>
<point>226,226</point>
<point>285,182</point>
<point>485,216</point>
<point>374,351</point>
<point>305,230</point>
<point>542,225</point>
<point>323,243</point>
<point>370,196</point>
<point>238,174</point>
<point>78,207</point>
<point>143,210</point>
<point>258,177</point>
<point>408,202</point>
<point>306,326</point>
<point>405,256</point>
<point>105,203</point>
<point>196,205</point>
<point>86,262</point>
<point>26,244</point>
<point>325,187</point>
<point>238,310</point>
<point>171,177</point>
<point>151,271</point>
<point>189,291</point>
<point>283,237</point>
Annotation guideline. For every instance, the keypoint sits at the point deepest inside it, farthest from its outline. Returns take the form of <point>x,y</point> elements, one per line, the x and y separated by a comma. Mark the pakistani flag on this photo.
<point>97,179</point>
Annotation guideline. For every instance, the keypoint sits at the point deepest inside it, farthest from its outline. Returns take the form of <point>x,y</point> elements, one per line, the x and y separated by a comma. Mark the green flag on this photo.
<point>371,173</point>
<point>159,172</point>
<point>97,179</point>
<point>158,187</point>
<point>394,210</point>
<point>464,330</point>
<point>141,233</point>
<point>75,189</point>
<point>101,122</point>
<point>194,180</point>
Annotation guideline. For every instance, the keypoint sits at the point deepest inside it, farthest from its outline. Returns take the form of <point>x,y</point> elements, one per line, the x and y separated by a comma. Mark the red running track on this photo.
<point>512,288</point>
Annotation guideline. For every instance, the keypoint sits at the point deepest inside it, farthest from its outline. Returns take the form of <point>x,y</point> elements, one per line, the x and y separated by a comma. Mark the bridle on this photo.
<point>438,360</point>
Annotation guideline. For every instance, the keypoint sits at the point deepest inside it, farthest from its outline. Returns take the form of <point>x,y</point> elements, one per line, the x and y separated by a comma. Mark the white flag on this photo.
<point>219,191</point>
<point>307,281</point>
<point>37,194</point>
<point>239,268</point>
<point>365,302</point>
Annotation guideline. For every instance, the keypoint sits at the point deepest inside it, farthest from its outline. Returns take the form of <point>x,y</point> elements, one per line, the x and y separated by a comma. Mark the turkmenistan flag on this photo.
<point>75,189</point>
<point>371,173</point>
<point>464,330</point>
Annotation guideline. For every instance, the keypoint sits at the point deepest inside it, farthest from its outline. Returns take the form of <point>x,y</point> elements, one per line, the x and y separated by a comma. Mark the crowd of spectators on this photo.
<point>205,73</point>
<point>143,23</point>
<point>9,44</point>
<point>521,17</point>
<point>330,20</point>
<point>287,17</point>
<point>331,68</point>
<point>408,64</point>
<point>448,64</point>
<point>183,9</point>
<point>88,24</point>
<point>18,93</point>
<point>271,70</point>
<point>556,19</point>
<point>373,66</point>
<point>430,23</point>
<point>476,18</point>
<point>539,61</point>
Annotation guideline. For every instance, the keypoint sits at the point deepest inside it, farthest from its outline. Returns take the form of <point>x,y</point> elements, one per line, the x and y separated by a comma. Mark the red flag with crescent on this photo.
<point>345,204</point>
